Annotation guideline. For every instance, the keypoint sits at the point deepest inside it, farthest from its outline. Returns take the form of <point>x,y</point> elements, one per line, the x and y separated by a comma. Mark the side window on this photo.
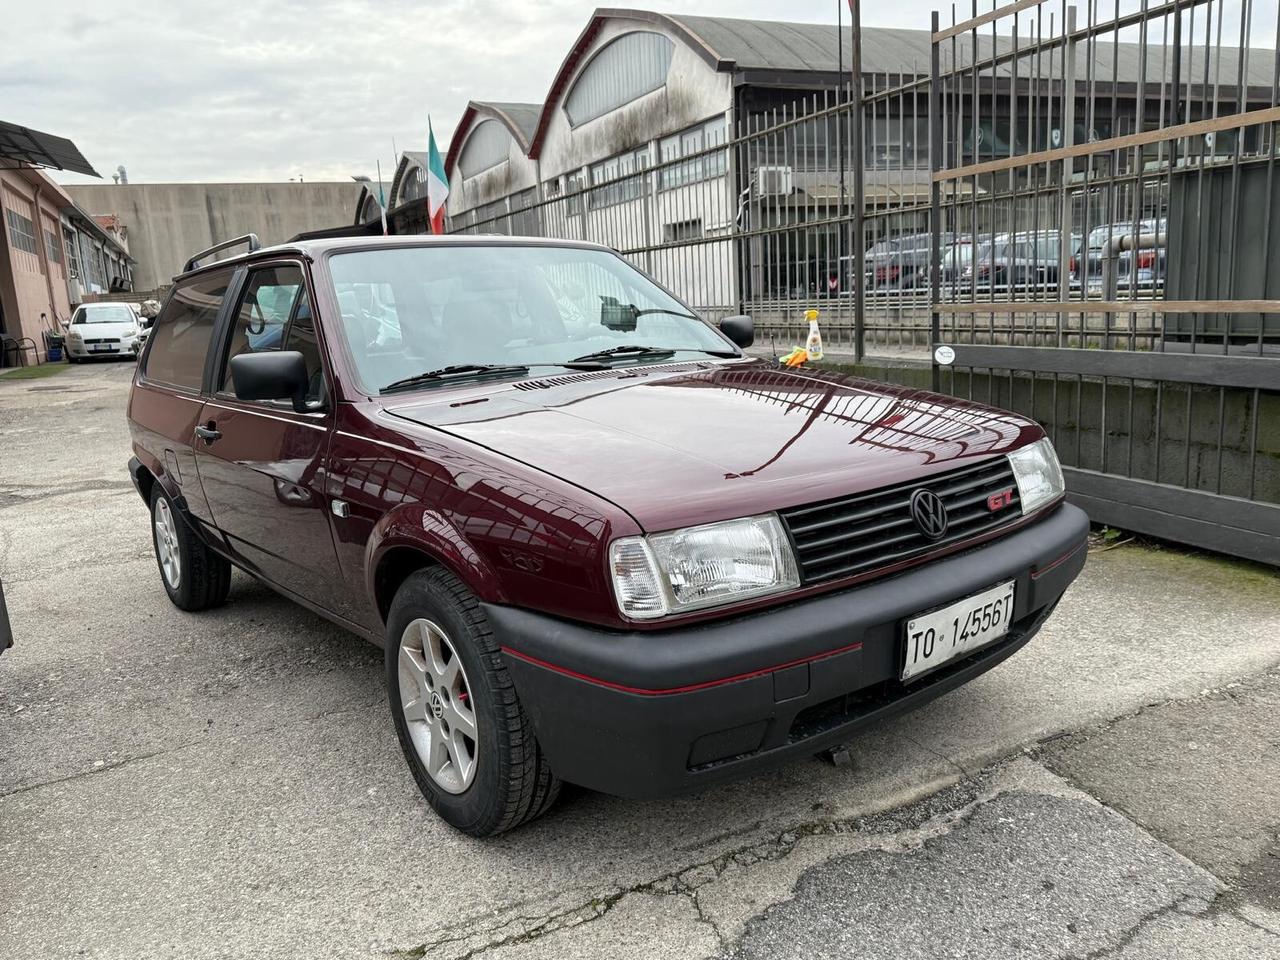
<point>301,336</point>
<point>181,334</point>
<point>274,313</point>
<point>261,315</point>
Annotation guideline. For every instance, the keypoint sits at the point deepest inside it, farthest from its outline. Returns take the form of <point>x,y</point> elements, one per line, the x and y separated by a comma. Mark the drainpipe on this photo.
<point>43,252</point>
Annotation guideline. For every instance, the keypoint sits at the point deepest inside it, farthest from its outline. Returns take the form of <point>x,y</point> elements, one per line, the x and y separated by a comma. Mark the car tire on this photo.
<point>194,576</point>
<point>442,660</point>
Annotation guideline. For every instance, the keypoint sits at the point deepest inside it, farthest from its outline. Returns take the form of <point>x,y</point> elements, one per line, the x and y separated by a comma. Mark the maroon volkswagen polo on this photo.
<point>598,543</point>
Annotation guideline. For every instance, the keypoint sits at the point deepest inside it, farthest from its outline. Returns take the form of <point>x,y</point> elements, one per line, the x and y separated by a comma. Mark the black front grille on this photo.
<point>105,340</point>
<point>859,534</point>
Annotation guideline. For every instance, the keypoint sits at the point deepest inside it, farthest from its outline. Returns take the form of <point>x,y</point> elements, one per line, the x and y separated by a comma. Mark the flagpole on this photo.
<point>382,200</point>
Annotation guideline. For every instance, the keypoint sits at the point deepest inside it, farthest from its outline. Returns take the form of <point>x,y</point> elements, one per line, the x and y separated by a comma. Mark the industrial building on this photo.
<point>717,153</point>
<point>52,253</point>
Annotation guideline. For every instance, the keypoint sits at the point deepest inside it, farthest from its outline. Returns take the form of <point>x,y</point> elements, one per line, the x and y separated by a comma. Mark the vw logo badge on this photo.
<point>929,513</point>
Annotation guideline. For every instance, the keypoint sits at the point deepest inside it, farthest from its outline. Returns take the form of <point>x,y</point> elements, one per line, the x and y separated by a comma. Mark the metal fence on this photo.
<point>1141,142</point>
<point>1079,209</point>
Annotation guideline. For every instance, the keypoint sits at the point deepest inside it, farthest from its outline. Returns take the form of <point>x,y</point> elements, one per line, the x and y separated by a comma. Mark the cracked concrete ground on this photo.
<point>228,785</point>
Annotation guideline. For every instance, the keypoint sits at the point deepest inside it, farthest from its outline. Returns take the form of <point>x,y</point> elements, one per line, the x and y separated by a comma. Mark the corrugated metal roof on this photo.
<point>750,45</point>
<point>523,115</point>
<point>38,149</point>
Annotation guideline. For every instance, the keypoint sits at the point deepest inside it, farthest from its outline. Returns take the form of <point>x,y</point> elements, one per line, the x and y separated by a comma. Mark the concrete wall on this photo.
<point>168,222</point>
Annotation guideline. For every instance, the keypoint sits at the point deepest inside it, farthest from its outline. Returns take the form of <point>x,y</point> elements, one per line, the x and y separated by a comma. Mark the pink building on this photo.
<point>33,259</point>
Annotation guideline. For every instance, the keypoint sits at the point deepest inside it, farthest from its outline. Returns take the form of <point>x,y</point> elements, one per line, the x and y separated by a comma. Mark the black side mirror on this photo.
<point>271,375</point>
<point>740,329</point>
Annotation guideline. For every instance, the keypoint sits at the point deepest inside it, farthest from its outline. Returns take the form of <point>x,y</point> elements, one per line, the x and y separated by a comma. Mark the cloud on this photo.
<point>181,90</point>
<point>203,91</point>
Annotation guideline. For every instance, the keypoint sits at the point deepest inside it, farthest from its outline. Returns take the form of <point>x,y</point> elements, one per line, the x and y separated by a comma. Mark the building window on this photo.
<point>414,186</point>
<point>691,143</point>
<point>524,214</point>
<point>52,246</point>
<point>95,266</point>
<point>488,145</point>
<point>574,183</point>
<point>626,169</point>
<point>682,231</point>
<point>492,217</point>
<point>22,232</point>
<point>73,261</point>
<point>623,70</point>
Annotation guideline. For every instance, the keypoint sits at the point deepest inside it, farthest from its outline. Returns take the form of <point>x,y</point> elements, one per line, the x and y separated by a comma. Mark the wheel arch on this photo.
<point>412,538</point>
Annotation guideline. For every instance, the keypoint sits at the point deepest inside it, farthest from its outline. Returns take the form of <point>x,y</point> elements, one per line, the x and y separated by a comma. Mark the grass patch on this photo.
<point>34,373</point>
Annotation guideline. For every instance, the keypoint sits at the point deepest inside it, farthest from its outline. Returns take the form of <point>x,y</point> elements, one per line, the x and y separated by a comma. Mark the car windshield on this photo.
<point>107,313</point>
<point>410,310</point>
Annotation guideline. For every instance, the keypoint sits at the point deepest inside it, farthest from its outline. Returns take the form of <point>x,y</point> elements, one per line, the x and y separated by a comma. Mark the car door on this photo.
<point>167,396</point>
<point>261,463</point>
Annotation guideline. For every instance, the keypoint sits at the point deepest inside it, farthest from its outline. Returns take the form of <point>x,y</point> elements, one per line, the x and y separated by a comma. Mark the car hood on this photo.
<point>677,444</point>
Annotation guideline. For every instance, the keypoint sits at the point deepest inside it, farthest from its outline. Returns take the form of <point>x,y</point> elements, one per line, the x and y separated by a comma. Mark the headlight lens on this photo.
<point>701,567</point>
<point>1038,473</point>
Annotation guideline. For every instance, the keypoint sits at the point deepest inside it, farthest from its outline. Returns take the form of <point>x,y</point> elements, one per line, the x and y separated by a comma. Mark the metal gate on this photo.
<point>1102,200</point>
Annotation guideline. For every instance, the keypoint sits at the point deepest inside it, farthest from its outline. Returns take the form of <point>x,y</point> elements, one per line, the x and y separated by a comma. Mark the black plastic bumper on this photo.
<point>652,714</point>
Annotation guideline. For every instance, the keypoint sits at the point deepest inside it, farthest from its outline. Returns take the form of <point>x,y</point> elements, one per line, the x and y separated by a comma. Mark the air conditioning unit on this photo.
<point>774,181</point>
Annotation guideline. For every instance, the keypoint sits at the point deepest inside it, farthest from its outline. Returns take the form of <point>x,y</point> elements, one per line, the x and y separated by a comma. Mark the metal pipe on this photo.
<point>1117,244</point>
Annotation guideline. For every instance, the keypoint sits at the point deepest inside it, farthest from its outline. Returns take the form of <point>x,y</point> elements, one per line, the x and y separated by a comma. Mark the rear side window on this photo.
<point>181,334</point>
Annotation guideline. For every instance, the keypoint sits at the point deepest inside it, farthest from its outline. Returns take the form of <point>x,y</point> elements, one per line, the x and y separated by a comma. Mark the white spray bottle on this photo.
<point>813,346</point>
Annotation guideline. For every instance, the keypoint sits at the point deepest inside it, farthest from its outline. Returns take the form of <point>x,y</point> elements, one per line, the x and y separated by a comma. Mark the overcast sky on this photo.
<point>177,90</point>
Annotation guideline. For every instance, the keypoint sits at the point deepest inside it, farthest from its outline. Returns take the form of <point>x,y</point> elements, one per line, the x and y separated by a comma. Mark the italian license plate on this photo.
<point>941,635</point>
<point>101,347</point>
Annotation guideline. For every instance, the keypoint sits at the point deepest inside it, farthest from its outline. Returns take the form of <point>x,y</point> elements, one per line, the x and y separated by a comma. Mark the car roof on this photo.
<point>314,249</point>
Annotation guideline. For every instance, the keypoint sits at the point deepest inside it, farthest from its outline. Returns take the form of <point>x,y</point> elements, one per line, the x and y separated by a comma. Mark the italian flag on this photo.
<point>437,183</point>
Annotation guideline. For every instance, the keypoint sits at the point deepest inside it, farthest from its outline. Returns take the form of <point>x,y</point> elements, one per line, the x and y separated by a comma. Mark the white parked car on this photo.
<point>103,330</point>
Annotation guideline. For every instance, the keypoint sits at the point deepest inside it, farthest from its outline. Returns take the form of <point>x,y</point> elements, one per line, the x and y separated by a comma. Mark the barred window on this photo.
<point>628,165</point>
<point>623,70</point>
<point>573,183</point>
<point>710,133</point>
<point>22,231</point>
<point>53,247</point>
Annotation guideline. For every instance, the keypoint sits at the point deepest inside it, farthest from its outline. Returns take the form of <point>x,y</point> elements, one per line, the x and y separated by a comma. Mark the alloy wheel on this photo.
<point>167,544</point>
<point>438,710</point>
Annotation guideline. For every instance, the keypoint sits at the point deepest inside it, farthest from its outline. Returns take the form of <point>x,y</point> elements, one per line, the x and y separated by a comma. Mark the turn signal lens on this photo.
<point>635,579</point>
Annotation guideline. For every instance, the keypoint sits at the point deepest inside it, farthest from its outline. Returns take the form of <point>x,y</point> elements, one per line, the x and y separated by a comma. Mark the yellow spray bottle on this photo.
<point>813,346</point>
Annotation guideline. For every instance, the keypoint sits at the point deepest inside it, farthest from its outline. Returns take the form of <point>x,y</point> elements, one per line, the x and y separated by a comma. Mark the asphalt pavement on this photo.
<point>228,784</point>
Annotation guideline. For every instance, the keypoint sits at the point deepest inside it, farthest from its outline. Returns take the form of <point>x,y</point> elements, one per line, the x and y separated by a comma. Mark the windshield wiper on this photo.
<point>626,351</point>
<point>455,370</point>
<point>635,352</point>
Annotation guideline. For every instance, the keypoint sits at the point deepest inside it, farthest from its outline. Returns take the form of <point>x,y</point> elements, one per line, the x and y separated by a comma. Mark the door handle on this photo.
<point>208,434</point>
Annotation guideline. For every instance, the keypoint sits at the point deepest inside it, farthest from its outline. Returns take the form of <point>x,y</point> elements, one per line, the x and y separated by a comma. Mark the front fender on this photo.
<point>422,528</point>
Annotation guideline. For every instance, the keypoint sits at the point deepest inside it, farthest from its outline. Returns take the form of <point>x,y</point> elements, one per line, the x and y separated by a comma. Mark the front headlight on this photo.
<point>1038,473</point>
<point>701,567</point>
